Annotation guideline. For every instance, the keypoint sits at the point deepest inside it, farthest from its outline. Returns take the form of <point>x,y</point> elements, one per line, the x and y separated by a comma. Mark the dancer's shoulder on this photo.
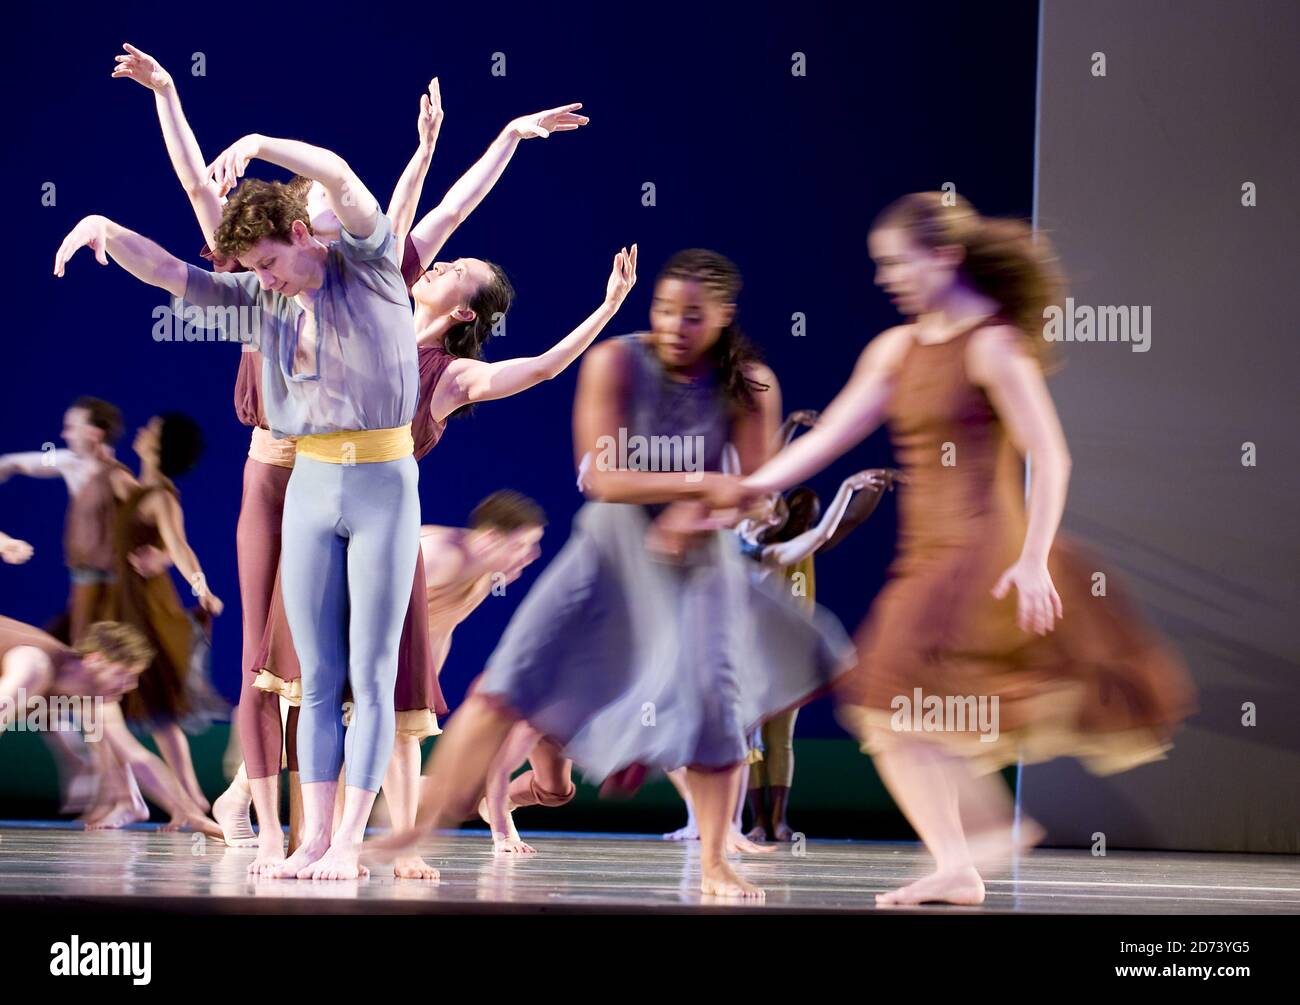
<point>885,352</point>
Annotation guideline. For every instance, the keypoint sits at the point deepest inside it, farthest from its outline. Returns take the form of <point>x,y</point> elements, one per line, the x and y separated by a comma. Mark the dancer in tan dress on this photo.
<point>986,609</point>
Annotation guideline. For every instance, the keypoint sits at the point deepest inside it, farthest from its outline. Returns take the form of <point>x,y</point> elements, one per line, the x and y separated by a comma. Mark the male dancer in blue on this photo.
<point>339,373</point>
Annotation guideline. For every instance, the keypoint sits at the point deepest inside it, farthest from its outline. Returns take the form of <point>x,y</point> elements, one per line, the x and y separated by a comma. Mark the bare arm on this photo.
<point>472,380</point>
<point>406,195</point>
<point>431,233</point>
<point>182,147</point>
<point>998,362</point>
<point>856,411</point>
<point>798,548</point>
<point>35,463</point>
<point>351,201</point>
<point>138,255</point>
<point>166,513</point>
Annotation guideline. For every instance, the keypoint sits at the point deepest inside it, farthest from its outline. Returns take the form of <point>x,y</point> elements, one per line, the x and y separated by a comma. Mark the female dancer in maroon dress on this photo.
<point>1074,674</point>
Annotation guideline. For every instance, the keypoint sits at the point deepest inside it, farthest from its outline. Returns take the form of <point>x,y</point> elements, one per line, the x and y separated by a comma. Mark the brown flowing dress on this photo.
<point>1102,686</point>
<point>152,606</point>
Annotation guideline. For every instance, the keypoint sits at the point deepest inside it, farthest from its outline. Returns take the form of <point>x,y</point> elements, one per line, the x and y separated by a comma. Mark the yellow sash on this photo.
<point>358,446</point>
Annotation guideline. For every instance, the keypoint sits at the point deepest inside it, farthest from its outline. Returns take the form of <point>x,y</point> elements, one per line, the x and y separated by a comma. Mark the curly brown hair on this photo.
<point>261,209</point>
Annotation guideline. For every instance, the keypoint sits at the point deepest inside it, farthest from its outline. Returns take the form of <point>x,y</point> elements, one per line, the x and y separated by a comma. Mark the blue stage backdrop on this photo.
<point>778,169</point>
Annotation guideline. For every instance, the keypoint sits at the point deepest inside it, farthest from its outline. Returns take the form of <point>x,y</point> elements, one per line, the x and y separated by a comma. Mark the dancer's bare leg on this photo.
<point>456,774</point>
<point>231,811</point>
<point>713,793</point>
<point>175,750</point>
<point>496,808</point>
<point>296,818</point>
<point>736,841</point>
<point>320,855</point>
<point>691,832</point>
<point>402,793</point>
<point>154,776</point>
<point>925,783</point>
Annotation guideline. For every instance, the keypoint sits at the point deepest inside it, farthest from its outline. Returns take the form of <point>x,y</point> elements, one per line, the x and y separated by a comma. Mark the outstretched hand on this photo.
<point>622,278</point>
<point>553,120</point>
<point>91,232</point>
<point>430,115</point>
<point>142,68</point>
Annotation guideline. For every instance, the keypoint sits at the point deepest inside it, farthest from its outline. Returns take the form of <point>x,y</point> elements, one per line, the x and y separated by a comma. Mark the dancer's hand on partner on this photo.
<point>728,492</point>
<point>430,115</point>
<point>91,232</point>
<point>1038,603</point>
<point>803,417</point>
<point>142,68</point>
<point>232,162</point>
<point>210,603</point>
<point>553,120</point>
<point>622,278</point>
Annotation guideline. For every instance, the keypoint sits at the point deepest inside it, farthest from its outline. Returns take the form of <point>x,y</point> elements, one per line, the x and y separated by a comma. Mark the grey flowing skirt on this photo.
<point>627,660</point>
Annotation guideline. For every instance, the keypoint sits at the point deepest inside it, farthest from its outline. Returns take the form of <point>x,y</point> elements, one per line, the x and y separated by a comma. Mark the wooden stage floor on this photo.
<point>55,868</point>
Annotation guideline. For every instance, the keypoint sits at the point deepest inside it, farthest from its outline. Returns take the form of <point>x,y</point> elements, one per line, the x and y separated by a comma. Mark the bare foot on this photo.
<point>956,886</point>
<point>738,843</point>
<point>412,867</point>
<point>510,842</point>
<point>723,881</point>
<point>231,812</point>
<point>782,832</point>
<point>270,852</point>
<point>688,833</point>
<point>340,861</point>
<point>119,816</point>
<point>756,833</point>
<point>306,854</point>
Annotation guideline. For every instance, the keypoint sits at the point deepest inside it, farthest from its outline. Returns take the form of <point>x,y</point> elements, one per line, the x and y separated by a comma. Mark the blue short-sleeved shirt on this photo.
<point>365,374</point>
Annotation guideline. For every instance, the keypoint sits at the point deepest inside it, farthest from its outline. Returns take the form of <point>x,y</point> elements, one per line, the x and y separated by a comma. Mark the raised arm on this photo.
<point>182,147</point>
<point>856,411</point>
<point>473,380</point>
<point>138,255</point>
<point>350,200</point>
<point>165,511</point>
<point>431,233</point>
<point>803,417</point>
<point>787,553</point>
<point>406,196</point>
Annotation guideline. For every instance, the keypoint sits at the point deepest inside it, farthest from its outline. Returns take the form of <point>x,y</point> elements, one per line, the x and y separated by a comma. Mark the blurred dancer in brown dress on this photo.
<point>150,516</point>
<point>971,614</point>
